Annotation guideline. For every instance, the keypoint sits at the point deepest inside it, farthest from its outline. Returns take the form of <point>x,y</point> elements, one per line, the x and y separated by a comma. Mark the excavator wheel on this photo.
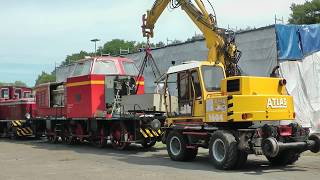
<point>223,150</point>
<point>177,147</point>
<point>242,159</point>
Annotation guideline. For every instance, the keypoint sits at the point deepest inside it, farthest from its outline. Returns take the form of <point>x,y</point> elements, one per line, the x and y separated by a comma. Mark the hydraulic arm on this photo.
<point>221,49</point>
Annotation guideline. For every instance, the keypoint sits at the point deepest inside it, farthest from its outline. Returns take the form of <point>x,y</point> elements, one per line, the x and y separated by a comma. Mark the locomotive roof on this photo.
<point>98,58</point>
<point>99,65</point>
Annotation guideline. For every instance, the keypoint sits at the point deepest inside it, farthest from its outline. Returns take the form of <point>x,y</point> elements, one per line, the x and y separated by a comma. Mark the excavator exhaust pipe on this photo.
<point>271,147</point>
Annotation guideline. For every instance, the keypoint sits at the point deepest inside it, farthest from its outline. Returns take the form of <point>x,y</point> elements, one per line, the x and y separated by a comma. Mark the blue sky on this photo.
<point>34,34</point>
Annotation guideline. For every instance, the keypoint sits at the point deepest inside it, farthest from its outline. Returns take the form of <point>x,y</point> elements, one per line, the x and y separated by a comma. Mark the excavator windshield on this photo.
<point>212,76</point>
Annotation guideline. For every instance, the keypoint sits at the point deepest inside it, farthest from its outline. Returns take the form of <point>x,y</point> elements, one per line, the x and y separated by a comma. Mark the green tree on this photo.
<point>75,57</point>
<point>307,13</point>
<point>16,83</point>
<point>20,83</point>
<point>113,47</point>
<point>45,77</point>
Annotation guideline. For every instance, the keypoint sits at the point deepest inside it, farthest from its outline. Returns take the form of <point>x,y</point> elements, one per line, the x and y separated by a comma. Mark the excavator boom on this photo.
<point>206,23</point>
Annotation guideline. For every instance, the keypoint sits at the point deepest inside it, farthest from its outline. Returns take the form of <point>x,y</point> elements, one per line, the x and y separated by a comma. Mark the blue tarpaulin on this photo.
<point>310,38</point>
<point>296,41</point>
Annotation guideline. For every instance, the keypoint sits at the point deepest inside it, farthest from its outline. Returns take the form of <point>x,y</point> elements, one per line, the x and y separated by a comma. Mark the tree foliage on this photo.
<point>16,83</point>
<point>75,57</point>
<point>45,78</point>
<point>20,83</point>
<point>113,47</point>
<point>307,13</point>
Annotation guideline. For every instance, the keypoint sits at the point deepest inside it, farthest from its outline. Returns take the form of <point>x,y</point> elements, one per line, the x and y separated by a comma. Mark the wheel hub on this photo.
<point>175,145</point>
<point>219,150</point>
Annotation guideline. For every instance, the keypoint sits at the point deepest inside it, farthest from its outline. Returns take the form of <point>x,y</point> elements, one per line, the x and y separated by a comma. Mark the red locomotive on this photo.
<point>17,107</point>
<point>89,102</point>
<point>97,100</point>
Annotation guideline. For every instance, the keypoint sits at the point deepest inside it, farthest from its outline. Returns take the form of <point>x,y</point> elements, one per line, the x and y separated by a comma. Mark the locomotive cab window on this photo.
<point>27,94</point>
<point>82,68</point>
<point>5,93</point>
<point>18,93</point>
<point>105,68</point>
<point>130,68</point>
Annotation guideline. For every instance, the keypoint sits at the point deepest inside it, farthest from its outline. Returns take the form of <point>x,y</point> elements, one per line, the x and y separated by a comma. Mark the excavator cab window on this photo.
<point>185,100</point>
<point>183,88</point>
<point>171,88</point>
<point>196,84</point>
<point>212,76</point>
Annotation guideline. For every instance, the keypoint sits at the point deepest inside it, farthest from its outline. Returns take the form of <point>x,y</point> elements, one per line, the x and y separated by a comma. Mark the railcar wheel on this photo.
<point>53,139</point>
<point>147,143</point>
<point>223,150</point>
<point>119,135</point>
<point>99,140</point>
<point>68,138</point>
<point>286,157</point>
<point>177,147</point>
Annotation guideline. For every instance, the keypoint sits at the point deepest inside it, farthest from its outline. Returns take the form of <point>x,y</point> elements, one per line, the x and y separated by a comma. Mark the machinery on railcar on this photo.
<point>100,100</point>
<point>17,107</point>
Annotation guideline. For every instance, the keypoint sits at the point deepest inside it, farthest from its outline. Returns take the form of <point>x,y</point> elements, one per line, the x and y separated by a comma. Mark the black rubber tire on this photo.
<point>286,157</point>
<point>185,154</point>
<point>191,154</point>
<point>148,143</point>
<point>316,138</point>
<point>230,158</point>
<point>242,159</point>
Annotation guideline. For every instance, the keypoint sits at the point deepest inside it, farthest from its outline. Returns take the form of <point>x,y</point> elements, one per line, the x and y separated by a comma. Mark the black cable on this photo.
<point>214,12</point>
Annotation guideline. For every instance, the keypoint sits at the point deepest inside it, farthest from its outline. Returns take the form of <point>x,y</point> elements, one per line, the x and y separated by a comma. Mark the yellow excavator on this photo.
<point>209,105</point>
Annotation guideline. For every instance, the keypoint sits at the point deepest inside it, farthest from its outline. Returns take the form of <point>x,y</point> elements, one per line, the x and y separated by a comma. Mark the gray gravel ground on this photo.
<point>38,160</point>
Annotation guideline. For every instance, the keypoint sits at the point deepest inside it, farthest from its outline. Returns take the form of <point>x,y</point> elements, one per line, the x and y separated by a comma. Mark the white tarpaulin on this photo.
<point>303,79</point>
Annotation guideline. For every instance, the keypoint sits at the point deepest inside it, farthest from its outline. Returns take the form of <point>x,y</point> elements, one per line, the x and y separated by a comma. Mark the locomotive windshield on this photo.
<point>82,68</point>
<point>105,68</point>
<point>130,68</point>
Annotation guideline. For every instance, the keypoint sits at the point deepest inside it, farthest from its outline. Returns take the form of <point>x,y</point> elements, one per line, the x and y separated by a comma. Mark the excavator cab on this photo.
<point>188,85</point>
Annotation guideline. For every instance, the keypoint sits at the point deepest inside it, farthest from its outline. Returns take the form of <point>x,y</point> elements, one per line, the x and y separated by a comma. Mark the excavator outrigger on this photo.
<point>209,105</point>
